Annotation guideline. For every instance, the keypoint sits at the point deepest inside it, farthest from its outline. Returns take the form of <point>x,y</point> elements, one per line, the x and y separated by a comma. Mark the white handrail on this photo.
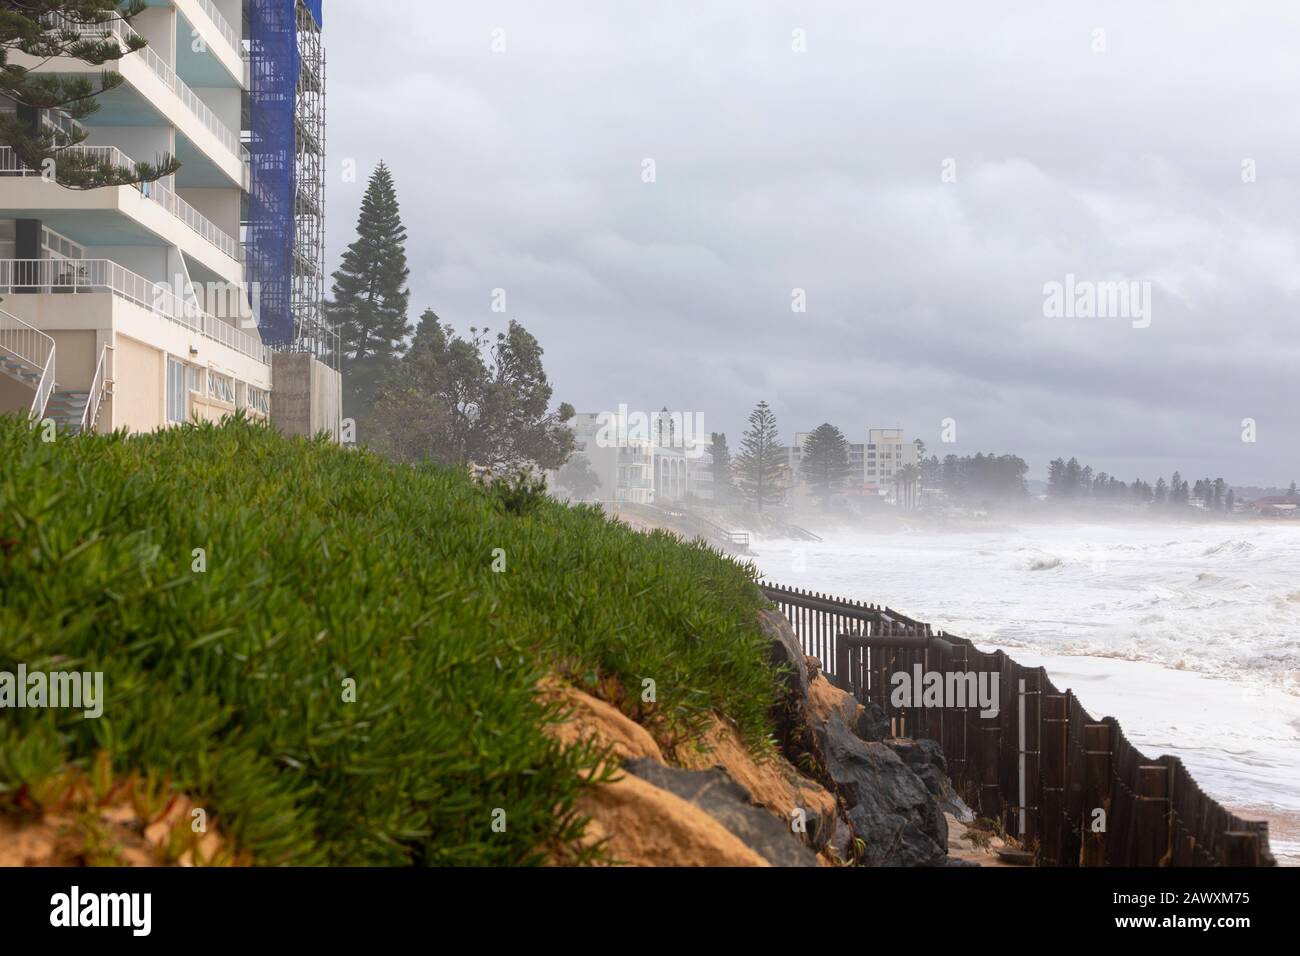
<point>33,347</point>
<point>95,397</point>
<point>223,25</point>
<point>103,275</point>
<point>124,32</point>
<point>10,165</point>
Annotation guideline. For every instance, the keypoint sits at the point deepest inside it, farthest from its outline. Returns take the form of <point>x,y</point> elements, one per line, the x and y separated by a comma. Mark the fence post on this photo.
<point>1152,819</point>
<point>1096,784</point>
<point>1054,728</point>
<point>843,679</point>
<point>989,734</point>
<point>1033,745</point>
<point>1239,848</point>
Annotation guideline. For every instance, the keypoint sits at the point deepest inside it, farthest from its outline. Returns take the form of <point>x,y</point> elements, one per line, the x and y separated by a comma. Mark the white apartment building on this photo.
<point>135,306</point>
<point>643,458</point>
<point>887,453</point>
<point>872,465</point>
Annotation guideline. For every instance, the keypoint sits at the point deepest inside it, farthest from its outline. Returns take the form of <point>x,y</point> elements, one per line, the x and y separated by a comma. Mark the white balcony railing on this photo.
<point>72,276</point>
<point>174,204</point>
<point>223,25</point>
<point>123,32</point>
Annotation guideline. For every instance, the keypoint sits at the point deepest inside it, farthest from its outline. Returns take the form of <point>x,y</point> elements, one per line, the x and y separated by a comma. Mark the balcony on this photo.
<point>223,26</point>
<point>74,276</point>
<point>123,32</point>
<point>174,204</point>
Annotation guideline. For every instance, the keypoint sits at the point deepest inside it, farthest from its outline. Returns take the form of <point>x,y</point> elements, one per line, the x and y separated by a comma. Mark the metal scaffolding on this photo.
<point>312,331</point>
<point>285,251</point>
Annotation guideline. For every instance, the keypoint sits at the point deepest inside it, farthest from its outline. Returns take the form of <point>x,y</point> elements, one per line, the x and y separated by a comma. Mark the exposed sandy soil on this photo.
<point>772,782</point>
<point>824,697</point>
<point>647,826</point>
<point>108,835</point>
<point>962,845</point>
<point>593,717</point>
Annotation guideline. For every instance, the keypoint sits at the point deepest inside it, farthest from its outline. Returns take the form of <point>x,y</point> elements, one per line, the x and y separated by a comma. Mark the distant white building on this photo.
<point>887,452</point>
<point>643,458</point>
<point>872,465</point>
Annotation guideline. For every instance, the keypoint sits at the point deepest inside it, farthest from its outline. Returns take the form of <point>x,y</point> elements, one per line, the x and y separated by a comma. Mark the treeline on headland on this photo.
<point>990,479</point>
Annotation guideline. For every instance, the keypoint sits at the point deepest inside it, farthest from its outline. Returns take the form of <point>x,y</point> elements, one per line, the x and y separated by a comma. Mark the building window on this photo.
<point>8,238</point>
<point>194,379</point>
<point>60,247</point>
<point>175,390</point>
<point>259,400</point>
<point>221,387</point>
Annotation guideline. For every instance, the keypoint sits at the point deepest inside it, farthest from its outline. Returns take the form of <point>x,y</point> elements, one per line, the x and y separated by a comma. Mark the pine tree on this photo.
<point>759,463</point>
<point>824,465</point>
<point>369,298</point>
<point>75,30</point>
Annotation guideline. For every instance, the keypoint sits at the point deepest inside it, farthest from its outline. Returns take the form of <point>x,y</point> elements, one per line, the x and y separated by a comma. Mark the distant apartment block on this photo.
<point>872,464</point>
<point>649,460</point>
<point>144,306</point>
<point>887,452</point>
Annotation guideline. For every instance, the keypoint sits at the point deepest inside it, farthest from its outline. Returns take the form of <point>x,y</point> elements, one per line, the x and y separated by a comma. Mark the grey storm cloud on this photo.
<point>821,170</point>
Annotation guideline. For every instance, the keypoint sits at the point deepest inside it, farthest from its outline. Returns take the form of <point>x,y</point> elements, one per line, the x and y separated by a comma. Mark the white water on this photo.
<point>1188,634</point>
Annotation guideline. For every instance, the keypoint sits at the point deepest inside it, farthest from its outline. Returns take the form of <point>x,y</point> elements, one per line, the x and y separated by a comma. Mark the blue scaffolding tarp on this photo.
<point>268,252</point>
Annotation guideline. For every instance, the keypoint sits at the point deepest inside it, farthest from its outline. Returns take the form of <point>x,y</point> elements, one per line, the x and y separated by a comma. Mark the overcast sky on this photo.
<point>1103,140</point>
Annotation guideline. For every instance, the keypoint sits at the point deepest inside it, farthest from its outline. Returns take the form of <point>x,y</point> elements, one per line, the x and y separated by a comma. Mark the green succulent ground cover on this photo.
<point>324,566</point>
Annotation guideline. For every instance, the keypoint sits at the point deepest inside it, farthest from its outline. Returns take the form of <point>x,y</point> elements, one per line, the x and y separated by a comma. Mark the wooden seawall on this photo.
<point>1070,787</point>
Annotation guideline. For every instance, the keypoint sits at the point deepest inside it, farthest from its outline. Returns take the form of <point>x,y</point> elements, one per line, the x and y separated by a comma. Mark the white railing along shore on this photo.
<point>71,276</point>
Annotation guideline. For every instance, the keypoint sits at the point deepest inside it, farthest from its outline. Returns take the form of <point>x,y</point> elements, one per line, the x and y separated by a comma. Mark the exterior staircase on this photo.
<point>68,408</point>
<point>20,371</point>
<point>27,356</point>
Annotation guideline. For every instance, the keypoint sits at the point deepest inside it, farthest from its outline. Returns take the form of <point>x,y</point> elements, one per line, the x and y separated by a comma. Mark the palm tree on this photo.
<point>905,486</point>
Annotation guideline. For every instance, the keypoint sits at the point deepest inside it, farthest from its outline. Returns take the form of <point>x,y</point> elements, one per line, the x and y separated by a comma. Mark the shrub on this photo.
<point>326,569</point>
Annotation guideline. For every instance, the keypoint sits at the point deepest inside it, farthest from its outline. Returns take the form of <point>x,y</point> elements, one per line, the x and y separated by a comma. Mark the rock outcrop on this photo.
<point>894,816</point>
<point>726,801</point>
<point>838,789</point>
<point>645,825</point>
<point>925,759</point>
<point>889,809</point>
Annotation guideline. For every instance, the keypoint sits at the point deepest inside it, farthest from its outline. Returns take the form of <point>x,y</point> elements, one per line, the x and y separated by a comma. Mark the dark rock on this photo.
<point>872,723</point>
<point>714,792</point>
<point>925,759</point>
<point>788,711</point>
<point>786,651</point>
<point>841,842</point>
<point>887,805</point>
